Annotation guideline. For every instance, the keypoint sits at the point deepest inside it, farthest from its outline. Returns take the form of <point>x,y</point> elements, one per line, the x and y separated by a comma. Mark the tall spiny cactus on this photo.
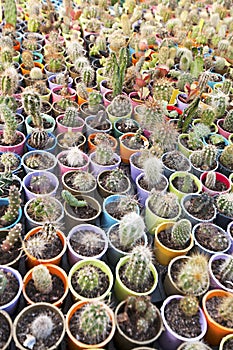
<point>210,181</point>
<point>32,106</point>
<point>11,238</point>
<point>12,211</point>
<point>9,131</point>
<point>131,229</point>
<point>70,117</point>
<point>10,12</point>
<point>119,66</point>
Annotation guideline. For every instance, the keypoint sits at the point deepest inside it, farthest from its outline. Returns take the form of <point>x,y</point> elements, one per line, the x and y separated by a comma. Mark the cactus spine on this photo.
<point>226,271</point>
<point>207,116</point>
<point>12,211</point>
<point>131,229</point>
<point>164,205</point>
<point>11,238</point>
<point>42,279</point>
<point>120,106</point>
<point>225,204</point>
<point>210,181</point>
<point>226,158</point>
<point>94,100</point>
<point>3,282</point>
<point>70,117</point>
<point>10,12</point>
<point>228,122</point>
<point>181,232</point>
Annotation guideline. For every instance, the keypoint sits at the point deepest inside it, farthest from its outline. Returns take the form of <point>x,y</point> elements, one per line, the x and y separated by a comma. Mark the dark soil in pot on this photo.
<point>84,246</point>
<point>46,124</point>
<point>124,127</point>
<point>220,145</point>
<point>228,345</point>
<point>39,161</point>
<point>219,186</point>
<point>165,238</point>
<point>86,212</point>
<point>110,141</point>
<point>184,142</point>
<point>18,140</point>
<point>114,211</point>
<point>7,256</point>
<point>141,288</point>
<point>212,306</point>
<point>203,215</point>
<point>64,161</point>
<point>216,267</point>
<point>103,283</point>
<point>45,108</point>
<point>4,331</point>
<point>11,288</point>
<point>185,326</point>
<point>103,182</point>
<point>51,297</point>
<point>4,193</point>
<point>51,250</point>
<point>136,145</point>
<point>211,237</point>
<point>25,323</point>
<point>115,240</point>
<point>176,162</point>
<point>158,187</point>
<point>179,184</point>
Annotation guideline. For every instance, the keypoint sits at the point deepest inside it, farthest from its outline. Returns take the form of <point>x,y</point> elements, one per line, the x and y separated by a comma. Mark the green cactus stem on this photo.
<point>131,229</point>
<point>226,158</point>
<point>12,238</point>
<point>42,279</point>
<point>189,305</point>
<point>71,200</point>
<point>228,122</point>
<point>210,181</point>
<point>10,12</point>
<point>10,127</point>
<point>13,207</point>
<point>224,204</point>
<point>181,232</point>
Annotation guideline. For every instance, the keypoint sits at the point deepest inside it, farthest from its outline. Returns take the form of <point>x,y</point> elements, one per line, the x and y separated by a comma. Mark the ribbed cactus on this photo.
<point>137,270</point>
<point>32,106</point>
<point>104,153</point>
<point>189,305</point>
<point>42,279</point>
<point>87,75</point>
<point>13,207</point>
<point>120,106</point>
<point>207,116</point>
<point>162,90</point>
<point>6,55</point>
<point>39,139</point>
<point>164,205</point>
<point>9,131</point>
<point>153,169</point>
<point>27,60</point>
<point>94,322</point>
<point>226,158</point>
<point>195,136</point>
<point>223,45</point>
<point>119,65</point>
<point>226,270</point>
<point>226,86</point>
<point>228,122</point>
<point>36,74</point>
<point>184,78</point>
<point>10,12</point>
<point>207,157</point>
<point>210,181</point>
<point>82,90</point>
<point>131,229</point>
<point>219,104</point>
<point>225,308</point>
<point>224,204</point>
<point>164,138</point>
<point>70,117</point>
<point>87,278</point>
<point>9,81</point>
<point>94,101</point>
<point>12,238</point>
<point>181,232</point>
<point>127,204</point>
<point>193,275</point>
<point>80,63</point>
<point>72,200</point>
<point>185,62</point>
<point>115,180</point>
<point>3,281</point>
<point>33,23</point>
<point>219,63</point>
<point>41,327</point>
<point>203,80</point>
<point>187,184</point>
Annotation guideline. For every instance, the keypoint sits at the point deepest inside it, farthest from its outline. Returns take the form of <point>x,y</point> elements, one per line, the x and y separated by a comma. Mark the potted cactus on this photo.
<point>131,143</point>
<point>225,127</point>
<point>204,160</point>
<point>226,160</point>
<point>161,207</point>
<point>94,320</point>
<point>174,161</point>
<point>10,208</point>
<point>120,107</point>
<point>93,104</point>
<point>124,236</point>
<point>135,274</point>
<point>113,182</point>
<point>215,183</point>
<point>220,269</point>
<point>187,275</point>
<point>72,159</point>
<point>11,246</point>
<point>138,323</point>
<point>44,324</point>
<point>182,182</point>
<point>224,205</point>
<point>40,183</point>
<point>97,123</point>
<point>70,121</point>
<point>79,182</point>
<point>38,160</point>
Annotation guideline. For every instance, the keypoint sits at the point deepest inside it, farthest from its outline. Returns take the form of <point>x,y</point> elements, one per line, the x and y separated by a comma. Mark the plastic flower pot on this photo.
<point>64,168</point>
<point>74,256</point>
<point>73,342</point>
<point>142,193</point>
<point>92,147</point>
<point>7,318</point>
<point>18,149</point>
<point>39,309</point>
<point>215,332</point>
<point>63,128</point>
<point>182,174</point>
<point>126,152</point>
<point>52,84</point>
<point>46,117</point>
<point>33,261</point>
<point>51,178</point>
<point>225,340</point>
<point>90,262</point>
<point>104,192</point>
<point>134,170</point>
<point>170,339</point>
<point>53,270</point>
<point>212,83</point>
<point>219,177</point>
<point>96,168</point>
<point>90,130</point>
<point>164,254</point>
<point>5,201</point>
<point>52,145</point>
<point>120,289</point>
<point>215,283</point>
<point>222,131</point>
<point>11,306</point>
<point>43,154</point>
<point>58,97</point>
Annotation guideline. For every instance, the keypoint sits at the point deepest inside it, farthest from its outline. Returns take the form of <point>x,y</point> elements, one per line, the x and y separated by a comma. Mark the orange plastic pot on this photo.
<point>75,344</point>
<point>215,332</point>
<point>54,270</point>
<point>92,146</point>
<point>82,100</point>
<point>32,261</point>
<point>164,254</point>
<point>26,71</point>
<point>126,152</point>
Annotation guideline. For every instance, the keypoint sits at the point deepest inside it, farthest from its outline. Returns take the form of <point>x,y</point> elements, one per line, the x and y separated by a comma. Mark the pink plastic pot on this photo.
<point>19,149</point>
<point>221,131</point>
<point>56,97</point>
<point>219,177</point>
<point>62,128</point>
<point>63,168</point>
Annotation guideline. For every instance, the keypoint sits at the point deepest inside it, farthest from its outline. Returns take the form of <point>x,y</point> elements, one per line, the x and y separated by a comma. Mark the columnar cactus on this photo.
<point>42,279</point>
<point>226,86</point>
<point>228,122</point>
<point>80,63</point>
<point>181,232</point>
<point>87,75</point>
<point>81,90</point>
<point>32,106</point>
<point>12,211</point>
<point>12,238</point>
<point>119,70</point>
<point>224,204</point>
<point>193,275</point>
<point>9,81</point>
<point>104,153</point>
<point>70,117</point>
<point>226,158</point>
<point>94,322</point>
<point>137,270</point>
<point>6,54</point>
<point>206,158</point>
<point>153,169</point>
<point>131,229</point>
<point>75,51</point>
<point>10,12</point>
<point>187,185</point>
<point>120,106</point>
<point>27,60</point>
<point>210,181</point>
<point>9,131</point>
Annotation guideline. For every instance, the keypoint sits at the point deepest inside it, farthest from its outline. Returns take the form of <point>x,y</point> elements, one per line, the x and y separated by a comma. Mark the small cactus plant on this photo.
<point>181,232</point>
<point>225,308</point>
<point>36,74</point>
<point>164,205</point>
<point>153,168</point>
<point>228,122</point>
<point>41,327</point>
<point>82,180</point>
<point>226,271</point>
<point>3,281</point>
<point>189,305</point>
<point>70,117</point>
<point>226,158</point>
<point>42,279</point>
<point>12,212</point>
<point>120,106</point>
<point>12,238</point>
<point>104,153</point>
<point>94,101</point>
<point>75,157</point>
<point>9,131</point>
<point>224,204</point>
<point>72,200</point>
<point>32,106</point>
<point>206,158</point>
<point>131,229</point>
<point>115,180</point>
<point>193,278</point>
<point>210,180</point>
<point>87,279</point>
